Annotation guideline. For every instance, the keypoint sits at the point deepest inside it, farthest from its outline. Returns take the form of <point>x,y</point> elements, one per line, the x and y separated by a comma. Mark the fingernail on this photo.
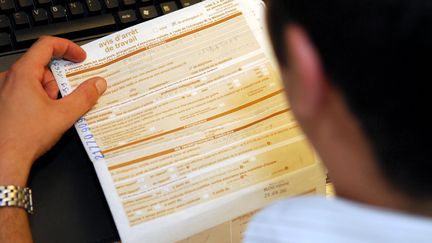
<point>101,86</point>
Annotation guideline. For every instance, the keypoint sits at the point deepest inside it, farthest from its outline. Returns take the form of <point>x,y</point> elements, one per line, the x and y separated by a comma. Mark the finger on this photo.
<point>48,76</point>
<point>51,89</point>
<point>41,53</point>
<point>81,100</point>
<point>49,84</point>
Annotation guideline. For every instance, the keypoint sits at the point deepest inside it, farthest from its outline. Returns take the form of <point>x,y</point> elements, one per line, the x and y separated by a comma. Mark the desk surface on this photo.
<point>68,200</point>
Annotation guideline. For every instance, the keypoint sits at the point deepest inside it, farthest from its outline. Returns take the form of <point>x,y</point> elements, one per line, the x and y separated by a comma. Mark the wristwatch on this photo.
<point>16,196</point>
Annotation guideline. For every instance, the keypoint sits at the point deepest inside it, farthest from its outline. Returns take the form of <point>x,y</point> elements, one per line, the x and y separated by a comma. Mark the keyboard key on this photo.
<point>5,42</point>
<point>43,2</point>
<point>7,5</point>
<point>76,9</point>
<point>40,16</point>
<point>111,4</point>
<point>187,3</point>
<point>25,3</point>
<point>4,23</point>
<point>83,27</point>
<point>168,7</point>
<point>58,12</point>
<point>128,2</point>
<point>93,6</point>
<point>148,12</point>
<point>127,17</point>
<point>21,19</point>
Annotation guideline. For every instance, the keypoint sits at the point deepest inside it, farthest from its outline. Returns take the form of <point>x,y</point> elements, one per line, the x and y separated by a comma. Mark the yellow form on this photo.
<point>194,129</point>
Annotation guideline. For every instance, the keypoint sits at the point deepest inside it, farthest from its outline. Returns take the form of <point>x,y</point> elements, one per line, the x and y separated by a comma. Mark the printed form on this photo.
<point>194,130</point>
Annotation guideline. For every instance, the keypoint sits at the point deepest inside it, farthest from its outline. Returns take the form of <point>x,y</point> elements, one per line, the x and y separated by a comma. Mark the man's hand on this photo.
<point>31,118</point>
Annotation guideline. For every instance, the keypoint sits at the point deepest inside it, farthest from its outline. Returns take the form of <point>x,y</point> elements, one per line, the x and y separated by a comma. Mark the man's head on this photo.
<point>357,74</point>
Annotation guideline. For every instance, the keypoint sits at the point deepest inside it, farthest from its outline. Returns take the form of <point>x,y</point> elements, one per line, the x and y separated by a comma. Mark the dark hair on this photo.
<point>378,53</point>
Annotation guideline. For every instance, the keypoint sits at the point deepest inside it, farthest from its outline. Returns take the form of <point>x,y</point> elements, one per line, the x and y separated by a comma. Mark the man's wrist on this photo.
<point>14,171</point>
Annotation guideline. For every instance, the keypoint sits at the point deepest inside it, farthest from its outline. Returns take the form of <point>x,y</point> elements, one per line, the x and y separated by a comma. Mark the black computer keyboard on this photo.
<point>24,21</point>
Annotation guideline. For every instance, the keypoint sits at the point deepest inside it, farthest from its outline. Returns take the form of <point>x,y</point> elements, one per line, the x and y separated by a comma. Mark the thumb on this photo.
<point>81,100</point>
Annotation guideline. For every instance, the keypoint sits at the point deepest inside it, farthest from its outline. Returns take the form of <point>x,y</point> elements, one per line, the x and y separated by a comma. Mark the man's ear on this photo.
<point>304,75</point>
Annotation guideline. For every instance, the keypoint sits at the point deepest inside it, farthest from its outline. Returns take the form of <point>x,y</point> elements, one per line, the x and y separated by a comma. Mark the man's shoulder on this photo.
<point>317,219</point>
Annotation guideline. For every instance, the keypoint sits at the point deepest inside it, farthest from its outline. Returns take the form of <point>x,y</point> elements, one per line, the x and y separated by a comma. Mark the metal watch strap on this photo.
<point>16,196</point>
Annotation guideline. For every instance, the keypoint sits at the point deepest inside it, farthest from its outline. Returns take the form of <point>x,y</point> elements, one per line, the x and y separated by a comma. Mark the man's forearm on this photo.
<point>14,224</point>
